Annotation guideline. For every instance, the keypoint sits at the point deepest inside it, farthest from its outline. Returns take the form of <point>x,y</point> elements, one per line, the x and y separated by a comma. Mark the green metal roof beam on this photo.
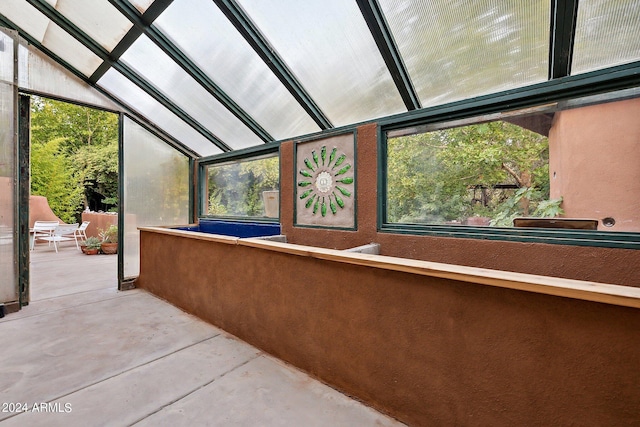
<point>168,47</point>
<point>564,14</point>
<point>261,46</point>
<point>132,35</point>
<point>99,51</point>
<point>150,126</point>
<point>383,37</point>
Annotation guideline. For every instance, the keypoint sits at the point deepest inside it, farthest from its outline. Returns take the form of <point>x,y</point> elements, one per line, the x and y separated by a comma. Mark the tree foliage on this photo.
<point>52,176</point>
<point>74,156</point>
<point>497,169</point>
<point>236,189</point>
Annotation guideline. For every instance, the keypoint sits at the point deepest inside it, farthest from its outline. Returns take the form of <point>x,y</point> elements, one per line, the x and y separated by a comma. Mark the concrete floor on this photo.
<point>83,353</point>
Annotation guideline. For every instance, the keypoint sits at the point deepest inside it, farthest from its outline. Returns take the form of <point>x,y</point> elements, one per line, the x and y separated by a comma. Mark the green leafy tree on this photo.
<point>85,154</point>
<point>96,167</point>
<point>52,176</point>
<point>236,189</point>
<point>433,177</point>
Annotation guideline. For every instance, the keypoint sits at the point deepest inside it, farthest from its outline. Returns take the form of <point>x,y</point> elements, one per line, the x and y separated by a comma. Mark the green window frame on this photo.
<point>227,162</point>
<point>459,115</point>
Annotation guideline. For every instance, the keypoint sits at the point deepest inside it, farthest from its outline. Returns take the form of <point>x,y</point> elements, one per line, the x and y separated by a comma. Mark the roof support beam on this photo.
<point>150,15</point>
<point>143,25</point>
<point>564,14</point>
<point>259,43</point>
<point>99,51</point>
<point>150,126</point>
<point>381,33</point>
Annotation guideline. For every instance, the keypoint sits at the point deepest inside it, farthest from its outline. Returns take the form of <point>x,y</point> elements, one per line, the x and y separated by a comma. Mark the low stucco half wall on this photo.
<point>427,343</point>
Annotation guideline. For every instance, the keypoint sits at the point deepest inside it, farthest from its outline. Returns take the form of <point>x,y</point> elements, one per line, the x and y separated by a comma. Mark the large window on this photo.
<point>573,162</point>
<point>243,188</point>
<point>480,174</point>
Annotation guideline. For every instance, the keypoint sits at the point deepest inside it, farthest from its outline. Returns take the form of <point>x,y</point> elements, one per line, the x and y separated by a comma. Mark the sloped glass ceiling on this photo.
<point>50,35</point>
<point>97,18</point>
<point>456,49</point>
<point>451,49</point>
<point>130,94</point>
<point>234,66</point>
<point>329,48</point>
<point>607,34</point>
<point>155,66</point>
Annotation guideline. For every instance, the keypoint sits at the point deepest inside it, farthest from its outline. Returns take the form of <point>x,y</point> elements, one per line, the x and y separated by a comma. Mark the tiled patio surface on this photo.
<point>84,354</point>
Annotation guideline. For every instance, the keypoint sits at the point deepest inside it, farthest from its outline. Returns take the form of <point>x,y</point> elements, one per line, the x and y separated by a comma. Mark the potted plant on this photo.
<point>92,245</point>
<point>109,243</point>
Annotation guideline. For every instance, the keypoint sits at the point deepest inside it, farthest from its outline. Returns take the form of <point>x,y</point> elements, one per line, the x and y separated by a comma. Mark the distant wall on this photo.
<point>594,163</point>
<point>427,350</point>
<point>98,221</point>
<point>607,265</point>
<point>39,210</point>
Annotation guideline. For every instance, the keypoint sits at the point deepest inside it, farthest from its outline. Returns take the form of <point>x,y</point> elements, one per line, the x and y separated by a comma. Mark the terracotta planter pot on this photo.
<point>83,248</point>
<point>91,251</point>
<point>109,248</point>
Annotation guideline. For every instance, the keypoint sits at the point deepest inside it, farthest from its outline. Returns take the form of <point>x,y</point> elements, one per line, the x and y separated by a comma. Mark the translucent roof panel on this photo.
<point>607,34</point>
<point>97,18</point>
<point>26,17</point>
<point>50,35</point>
<point>141,5</point>
<point>234,66</point>
<point>39,73</point>
<point>154,65</point>
<point>328,46</point>
<point>146,106</point>
<point>456,49</point>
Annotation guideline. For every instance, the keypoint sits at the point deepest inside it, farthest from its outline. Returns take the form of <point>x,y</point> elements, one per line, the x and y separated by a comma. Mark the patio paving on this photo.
<point>83,353</point>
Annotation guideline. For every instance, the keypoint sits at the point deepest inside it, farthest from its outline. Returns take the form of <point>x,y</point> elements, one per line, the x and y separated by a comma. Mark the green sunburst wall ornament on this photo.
<point>325,181</point>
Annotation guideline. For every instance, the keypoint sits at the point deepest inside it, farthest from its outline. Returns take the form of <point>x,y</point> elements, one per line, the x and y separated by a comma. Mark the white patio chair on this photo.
<point>61,234</point>
<point>81,232</point>
<point>42,229</point>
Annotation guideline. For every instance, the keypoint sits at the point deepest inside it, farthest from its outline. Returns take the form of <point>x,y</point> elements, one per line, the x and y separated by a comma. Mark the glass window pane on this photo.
<point>149,61</point>
<point>607,34</point>
<point>457,49</point>
<point>139,101</point>
<point>97,18</point>
<point>329,48</point>
<point>480,174</point>
<point>234,66</point>
<point>245,188</point>
<point>39,73</point>
<point>549,164</point>
<point>8,221</point>
<point>156,189</point>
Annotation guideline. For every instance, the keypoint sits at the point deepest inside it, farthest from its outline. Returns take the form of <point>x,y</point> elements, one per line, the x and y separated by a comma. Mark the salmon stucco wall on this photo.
<point>426,350</point>
<point>606,265</point>
<point>594,163</point>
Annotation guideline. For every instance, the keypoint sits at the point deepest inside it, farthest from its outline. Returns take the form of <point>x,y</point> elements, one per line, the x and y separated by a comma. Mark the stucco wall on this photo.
<point>427,350</point>
<point>594,163</point>
<point>98,221</point>
<point>617,266</point>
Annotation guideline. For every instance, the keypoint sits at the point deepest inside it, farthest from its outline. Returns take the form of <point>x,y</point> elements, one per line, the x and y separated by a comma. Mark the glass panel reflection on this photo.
<point>247,188</point>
